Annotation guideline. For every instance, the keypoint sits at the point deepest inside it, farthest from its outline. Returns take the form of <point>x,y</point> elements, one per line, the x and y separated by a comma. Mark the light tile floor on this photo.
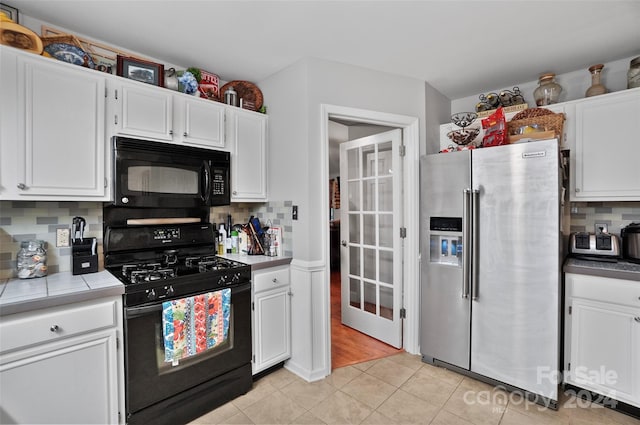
<point>400,389</point>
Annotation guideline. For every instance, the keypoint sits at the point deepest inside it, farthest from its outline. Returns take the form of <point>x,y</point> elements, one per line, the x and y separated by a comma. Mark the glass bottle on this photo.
<point>31,260</point>
<point>633,75</point>
<point>548,91</point>
<point>596,86</point>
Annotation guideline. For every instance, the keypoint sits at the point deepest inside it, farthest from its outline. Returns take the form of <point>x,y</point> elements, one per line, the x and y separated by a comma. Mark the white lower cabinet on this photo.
<point>603,336</point>
<point>63,364</point>
<point>271,317</point>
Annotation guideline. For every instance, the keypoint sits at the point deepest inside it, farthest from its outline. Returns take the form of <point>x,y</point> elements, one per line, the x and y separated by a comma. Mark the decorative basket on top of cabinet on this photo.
<point>542,118</point>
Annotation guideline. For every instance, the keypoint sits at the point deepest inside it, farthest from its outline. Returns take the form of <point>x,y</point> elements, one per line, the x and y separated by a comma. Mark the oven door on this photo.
<point>150,379</point>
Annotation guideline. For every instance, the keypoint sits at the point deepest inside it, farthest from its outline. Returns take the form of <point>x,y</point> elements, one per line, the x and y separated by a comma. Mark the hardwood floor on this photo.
<point>349,346</point>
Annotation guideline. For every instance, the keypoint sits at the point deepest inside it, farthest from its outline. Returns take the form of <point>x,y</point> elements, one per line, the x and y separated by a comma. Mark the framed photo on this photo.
<point>11,12</point>
<point>139,70</point>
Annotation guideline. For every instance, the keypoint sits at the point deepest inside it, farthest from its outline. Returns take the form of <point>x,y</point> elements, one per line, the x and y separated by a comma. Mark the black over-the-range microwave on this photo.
<point>163,175</point>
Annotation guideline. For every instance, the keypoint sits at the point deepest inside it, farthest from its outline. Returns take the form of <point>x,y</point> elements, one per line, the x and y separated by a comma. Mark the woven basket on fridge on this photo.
<point>543,118</point>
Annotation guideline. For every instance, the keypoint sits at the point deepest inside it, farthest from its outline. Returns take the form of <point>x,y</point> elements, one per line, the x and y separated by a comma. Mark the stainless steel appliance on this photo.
<point>164,262</point>
<point>491,265</point>
<point>631,242</point>
<point>162,175</point>
<point>594,246</point>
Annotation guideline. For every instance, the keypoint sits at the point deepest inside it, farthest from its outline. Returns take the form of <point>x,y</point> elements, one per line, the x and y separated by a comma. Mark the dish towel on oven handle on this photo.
<point>194,324</point>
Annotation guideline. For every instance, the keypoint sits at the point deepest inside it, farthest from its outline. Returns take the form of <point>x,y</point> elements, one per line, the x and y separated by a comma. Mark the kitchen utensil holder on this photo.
<point>84,258</point>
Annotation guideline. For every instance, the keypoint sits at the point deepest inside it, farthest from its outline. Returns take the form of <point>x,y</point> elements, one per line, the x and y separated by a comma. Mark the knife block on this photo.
<point>83,260</point>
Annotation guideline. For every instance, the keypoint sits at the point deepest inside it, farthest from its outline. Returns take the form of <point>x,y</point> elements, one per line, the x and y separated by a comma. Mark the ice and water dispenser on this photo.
<point>446,240</point>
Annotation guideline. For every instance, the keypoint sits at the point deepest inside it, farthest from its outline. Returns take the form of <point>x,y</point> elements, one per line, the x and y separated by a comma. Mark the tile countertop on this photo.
<point>258,262</point>
<point>620,270</point>
<point>19,295</point>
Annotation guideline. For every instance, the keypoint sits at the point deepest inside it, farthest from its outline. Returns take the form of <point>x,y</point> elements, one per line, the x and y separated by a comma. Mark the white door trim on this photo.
<point>410,138</point>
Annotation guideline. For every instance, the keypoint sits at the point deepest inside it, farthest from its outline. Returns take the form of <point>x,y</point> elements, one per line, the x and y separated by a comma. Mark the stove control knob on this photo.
<point>125,200</point>
<point>151,295</point>
<point>236,278</point>
<point>222,280</point>
<point>170,291</point>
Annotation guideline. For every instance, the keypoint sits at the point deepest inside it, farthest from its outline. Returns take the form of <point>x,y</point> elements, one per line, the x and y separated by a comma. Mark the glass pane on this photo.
<point>386,267</point>
<point>386,302</point>
<point>368,161</point>
<point>370,297</point>
<point>354,196</point>
<point>352,163</point>
<point>354,228</point>
<point>385,231</point>
<point>385,194</point>
<point>369,230</point>
<point>354,260</point>
<point>370,264</point>
<point>354,293</point>
<point>384,159</point>
<point>369,195</point>
<point>156,179</point>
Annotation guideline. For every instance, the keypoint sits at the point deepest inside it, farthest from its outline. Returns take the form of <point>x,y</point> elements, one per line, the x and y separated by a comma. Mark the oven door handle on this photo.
<point>133,312</point>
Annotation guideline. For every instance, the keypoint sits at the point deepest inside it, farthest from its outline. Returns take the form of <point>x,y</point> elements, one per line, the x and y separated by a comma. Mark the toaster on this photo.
<point>597,245</point>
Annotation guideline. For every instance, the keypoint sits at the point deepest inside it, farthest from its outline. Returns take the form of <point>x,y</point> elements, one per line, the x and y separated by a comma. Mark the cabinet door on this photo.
<point>247,141</point>
<point>607,151</point>
<point>203,123</point>
<point>143,111</point>
<point>60,133</point>
<point>272,328</point>
<point>72,381</point>
<point>605,349</point>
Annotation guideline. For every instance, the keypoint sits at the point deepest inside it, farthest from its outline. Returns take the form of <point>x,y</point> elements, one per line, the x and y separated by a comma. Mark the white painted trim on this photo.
<point>410,137</point>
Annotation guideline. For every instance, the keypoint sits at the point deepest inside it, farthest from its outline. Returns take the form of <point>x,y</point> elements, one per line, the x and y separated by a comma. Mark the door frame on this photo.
<point>410,139</point>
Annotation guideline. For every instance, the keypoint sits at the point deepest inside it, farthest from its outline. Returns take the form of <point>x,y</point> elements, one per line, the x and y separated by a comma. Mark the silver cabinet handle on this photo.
<point>343,243</point>
<point>274,280</point>
<point>54,328</point>
<point>637,319</point>
<point>290,293</point>
<point>235,192</point>
<point>577,189</point>
<point>171,132</point>
<point>185,134</point>
<point>22,186</point>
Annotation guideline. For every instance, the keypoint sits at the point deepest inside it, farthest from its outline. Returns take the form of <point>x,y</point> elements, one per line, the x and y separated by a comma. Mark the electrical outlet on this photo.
<point>62,237</point>
<point>601,228</point>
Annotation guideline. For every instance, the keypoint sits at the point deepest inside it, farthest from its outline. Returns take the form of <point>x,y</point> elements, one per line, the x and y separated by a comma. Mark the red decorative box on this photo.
<point>209,85</point>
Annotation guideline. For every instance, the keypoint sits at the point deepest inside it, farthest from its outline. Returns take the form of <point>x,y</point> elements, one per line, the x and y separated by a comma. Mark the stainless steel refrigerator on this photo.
<point>491,255</point>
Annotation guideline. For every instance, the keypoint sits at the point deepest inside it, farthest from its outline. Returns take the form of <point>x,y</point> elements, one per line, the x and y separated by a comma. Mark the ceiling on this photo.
<point>462,48</point>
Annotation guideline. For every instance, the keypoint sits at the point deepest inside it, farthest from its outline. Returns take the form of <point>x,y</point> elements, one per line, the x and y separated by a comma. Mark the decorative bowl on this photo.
<point>463,136</point>
<point>463,119</point>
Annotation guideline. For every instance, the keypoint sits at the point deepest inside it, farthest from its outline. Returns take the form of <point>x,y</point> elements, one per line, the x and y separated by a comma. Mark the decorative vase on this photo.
<point>548,91</point>
<point>633,75</point>
<point>596,87</point>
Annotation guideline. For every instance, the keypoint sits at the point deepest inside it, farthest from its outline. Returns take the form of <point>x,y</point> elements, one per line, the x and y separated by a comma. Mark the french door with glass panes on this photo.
<point>371,247</point>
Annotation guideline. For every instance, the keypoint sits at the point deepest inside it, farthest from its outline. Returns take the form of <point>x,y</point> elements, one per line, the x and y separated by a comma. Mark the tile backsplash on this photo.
<point>616,215</point>
<point>22,220</point>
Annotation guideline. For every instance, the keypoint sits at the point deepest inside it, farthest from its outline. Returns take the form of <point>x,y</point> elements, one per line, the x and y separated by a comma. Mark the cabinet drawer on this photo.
<point>25,329</point>
<point>271,278</point>
<point>608,290</point>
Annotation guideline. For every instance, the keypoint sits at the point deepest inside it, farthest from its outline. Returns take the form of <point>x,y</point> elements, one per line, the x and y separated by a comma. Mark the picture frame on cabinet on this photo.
<point>11,12</point>
<point>140,70</point>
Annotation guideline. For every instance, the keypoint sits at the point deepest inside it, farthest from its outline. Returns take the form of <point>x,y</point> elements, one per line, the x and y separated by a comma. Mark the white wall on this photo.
<point>295,96</point>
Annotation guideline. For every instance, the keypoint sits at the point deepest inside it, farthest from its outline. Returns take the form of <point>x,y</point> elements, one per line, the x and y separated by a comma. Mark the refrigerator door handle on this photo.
<point>475,242</point>
<point>466,246</point>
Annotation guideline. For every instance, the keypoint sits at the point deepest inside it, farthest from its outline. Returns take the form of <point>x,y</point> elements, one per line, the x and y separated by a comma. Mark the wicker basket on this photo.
<point>544,118</point>
<point>62,38</point>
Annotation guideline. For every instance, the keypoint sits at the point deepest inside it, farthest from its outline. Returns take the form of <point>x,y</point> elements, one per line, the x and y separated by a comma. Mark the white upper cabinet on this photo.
<point>607,147</point>
<point>141,110</point>
<point>201,122</point>
<point>247,142</point>
<point>52,136</point>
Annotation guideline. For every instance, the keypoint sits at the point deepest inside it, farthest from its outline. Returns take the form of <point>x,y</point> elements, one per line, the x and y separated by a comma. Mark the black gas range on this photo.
<point>168,261</point>
<point>164,263</point>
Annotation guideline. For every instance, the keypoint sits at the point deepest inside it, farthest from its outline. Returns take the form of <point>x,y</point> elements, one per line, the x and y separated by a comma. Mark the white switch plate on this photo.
<point>62,237</point>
